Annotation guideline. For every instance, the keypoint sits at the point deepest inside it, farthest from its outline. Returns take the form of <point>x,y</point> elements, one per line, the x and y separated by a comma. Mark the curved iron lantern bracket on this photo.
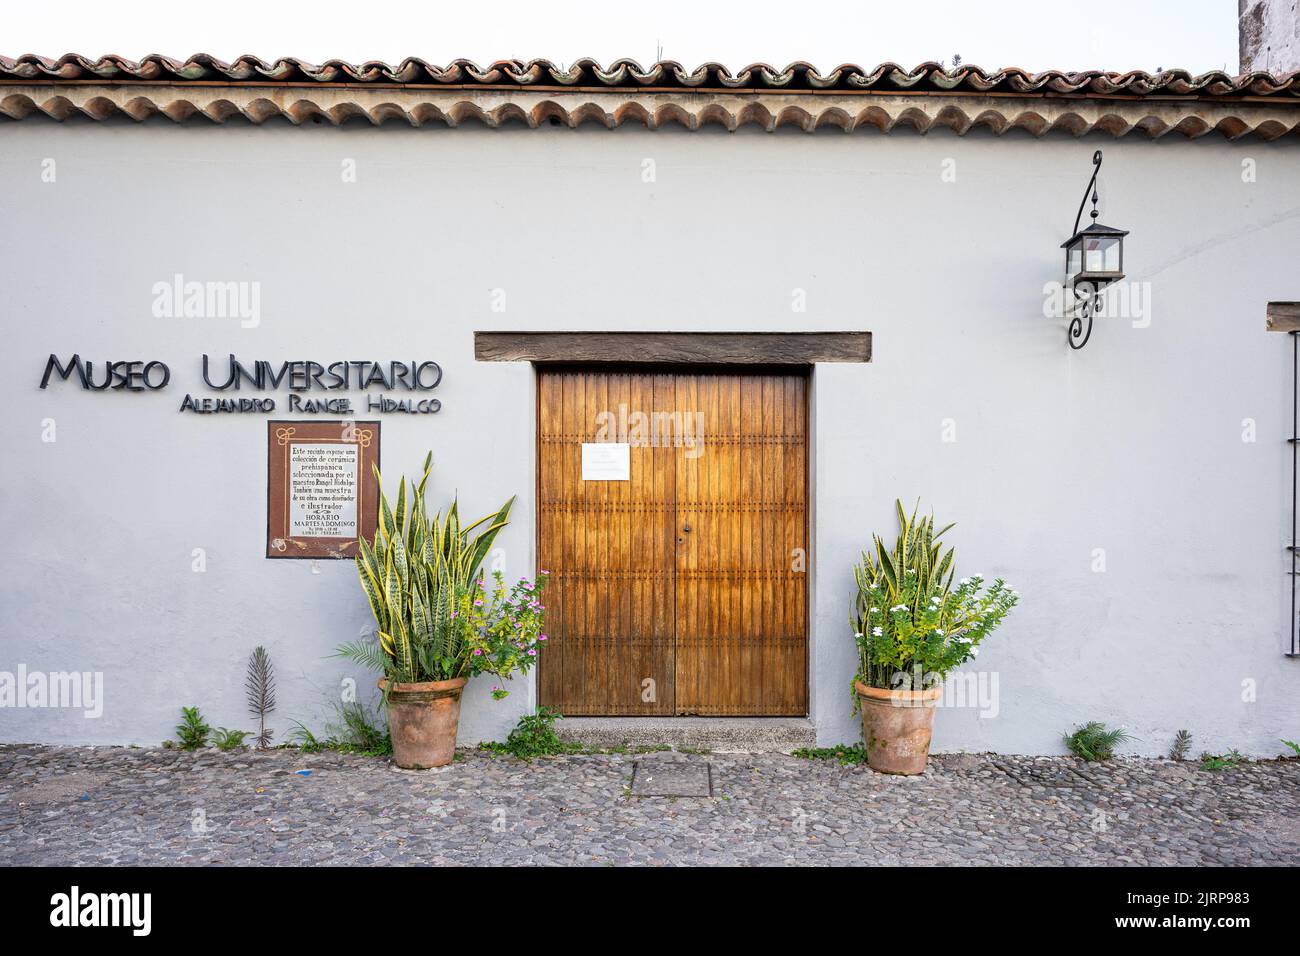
<point>1081,321</point>
<point>1091,187</point>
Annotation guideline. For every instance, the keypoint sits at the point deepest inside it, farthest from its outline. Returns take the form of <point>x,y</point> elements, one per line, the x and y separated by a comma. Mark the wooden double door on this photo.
<point>682,589</point>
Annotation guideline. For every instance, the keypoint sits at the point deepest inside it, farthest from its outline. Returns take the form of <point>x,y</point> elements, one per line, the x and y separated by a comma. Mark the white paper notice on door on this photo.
<point>606,461</point>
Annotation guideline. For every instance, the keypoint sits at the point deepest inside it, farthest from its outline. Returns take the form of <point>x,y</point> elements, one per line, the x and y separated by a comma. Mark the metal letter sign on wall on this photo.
<point>296,377</point>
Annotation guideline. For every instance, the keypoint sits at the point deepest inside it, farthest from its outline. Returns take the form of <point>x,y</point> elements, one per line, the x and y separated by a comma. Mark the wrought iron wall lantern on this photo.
<point>1094,258</point>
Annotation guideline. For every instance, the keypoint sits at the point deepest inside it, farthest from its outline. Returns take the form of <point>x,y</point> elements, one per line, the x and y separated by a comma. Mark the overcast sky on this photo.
<point>1197,35</point>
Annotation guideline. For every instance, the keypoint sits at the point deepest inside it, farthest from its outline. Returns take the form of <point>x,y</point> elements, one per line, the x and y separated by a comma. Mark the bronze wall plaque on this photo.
<point>321,492</point>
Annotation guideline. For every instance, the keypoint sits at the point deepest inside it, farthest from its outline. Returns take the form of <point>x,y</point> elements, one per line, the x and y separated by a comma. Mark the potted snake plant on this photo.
<point>912,627</point>
<point>440,621</point>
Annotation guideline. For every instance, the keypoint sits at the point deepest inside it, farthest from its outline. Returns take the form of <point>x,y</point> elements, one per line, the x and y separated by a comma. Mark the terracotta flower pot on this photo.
<point>896,727</point>
<point>422,720</point>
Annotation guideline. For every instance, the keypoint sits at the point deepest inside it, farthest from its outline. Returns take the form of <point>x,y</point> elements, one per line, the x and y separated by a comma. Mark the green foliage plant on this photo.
<point>1216,762</point>
<point>224,739</point>
<point>438,618</point>
<point>911,626</point>
<point>848,755</point>
<point>1095,741</point>
<point>535,736</point>
<point>193,731</point>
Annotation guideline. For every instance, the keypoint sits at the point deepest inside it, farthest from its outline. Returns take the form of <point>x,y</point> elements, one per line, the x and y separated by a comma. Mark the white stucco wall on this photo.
<point>1268,33</point>
<point>1133,445</point>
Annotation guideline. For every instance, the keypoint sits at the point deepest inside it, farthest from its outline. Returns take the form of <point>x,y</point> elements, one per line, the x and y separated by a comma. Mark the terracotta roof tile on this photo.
<point>541,93</point>
<point>667,74</point>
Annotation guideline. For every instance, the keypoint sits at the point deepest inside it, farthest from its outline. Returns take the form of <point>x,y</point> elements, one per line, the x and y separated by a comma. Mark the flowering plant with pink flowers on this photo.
<point>503,627</point>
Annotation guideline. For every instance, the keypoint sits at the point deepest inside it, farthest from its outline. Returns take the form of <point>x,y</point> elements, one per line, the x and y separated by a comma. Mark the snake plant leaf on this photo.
<point>501,516</point>
<point>415,575</point>
<point>906,532</point>
<point>887,569</point>
<point>424,476</point>
<point>367,569</point>
<point>393,595</point>
<point>945,567</point>
<point>399,517</point>
<point>483,543</point>
<point>386,523</point>
<point>400,566</point>
<point>451,531</point>
<point>420,619</point>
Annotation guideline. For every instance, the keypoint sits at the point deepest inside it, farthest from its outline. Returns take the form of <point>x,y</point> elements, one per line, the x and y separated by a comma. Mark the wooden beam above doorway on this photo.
<point>677,348</point>
<point>1283,317</point>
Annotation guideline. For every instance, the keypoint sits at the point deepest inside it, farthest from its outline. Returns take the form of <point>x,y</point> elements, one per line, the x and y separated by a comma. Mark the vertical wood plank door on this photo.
<point>609,548</point>
<point>681,590</point>
<point>741,603</point>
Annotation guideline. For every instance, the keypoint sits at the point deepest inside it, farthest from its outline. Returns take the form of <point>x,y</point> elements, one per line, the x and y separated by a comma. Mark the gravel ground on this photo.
<point>117,806</point>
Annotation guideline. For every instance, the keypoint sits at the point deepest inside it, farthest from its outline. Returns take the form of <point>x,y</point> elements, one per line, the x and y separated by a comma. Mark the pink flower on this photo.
<point>531,652</point>
<point>478,652</point>
<point>541,637</point>
<point>478,603</point>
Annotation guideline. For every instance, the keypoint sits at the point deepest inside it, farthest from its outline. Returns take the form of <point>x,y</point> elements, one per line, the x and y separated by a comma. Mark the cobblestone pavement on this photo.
<point>118,806</point>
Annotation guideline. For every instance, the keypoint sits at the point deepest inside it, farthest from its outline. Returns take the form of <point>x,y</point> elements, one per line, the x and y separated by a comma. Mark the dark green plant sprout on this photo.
<point>302,738</point>
<point>1095,741</point>
<point>534,736</point>
<point>1216,762</point>
<point>225,739</point>
<point>848,756</point>
<point>192,732</point>
<point>354,730</point>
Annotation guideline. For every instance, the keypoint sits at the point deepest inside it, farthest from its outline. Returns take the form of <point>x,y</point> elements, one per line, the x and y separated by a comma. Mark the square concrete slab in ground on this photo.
<point>662,778</point>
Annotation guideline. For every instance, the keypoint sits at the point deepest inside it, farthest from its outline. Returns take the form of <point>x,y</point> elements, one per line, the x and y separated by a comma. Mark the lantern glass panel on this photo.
<point>1101,254</point>
<point>1074,259</point>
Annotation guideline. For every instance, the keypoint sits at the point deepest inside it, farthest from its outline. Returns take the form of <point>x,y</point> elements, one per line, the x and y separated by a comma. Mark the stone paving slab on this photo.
<point>120,806</point>
<point>661,777</point>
